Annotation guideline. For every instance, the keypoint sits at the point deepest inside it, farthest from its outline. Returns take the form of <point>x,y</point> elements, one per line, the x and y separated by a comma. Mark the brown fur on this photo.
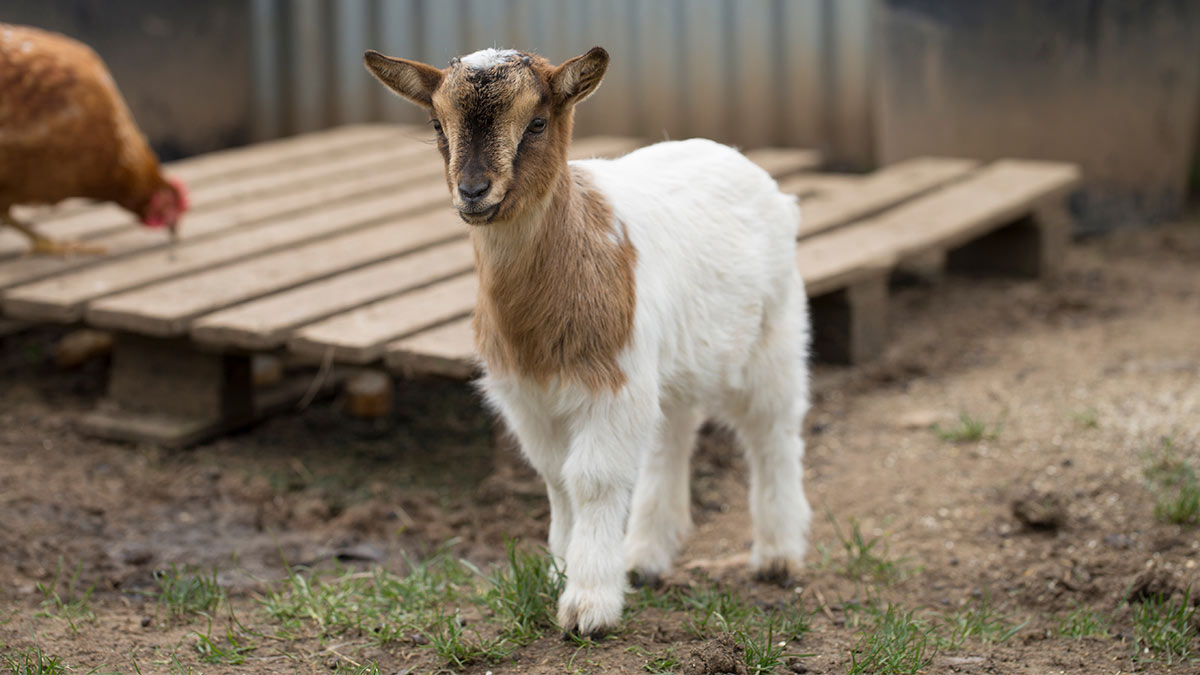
<point>64,129</point>
<point>564,307</point>
<point>557,294</point>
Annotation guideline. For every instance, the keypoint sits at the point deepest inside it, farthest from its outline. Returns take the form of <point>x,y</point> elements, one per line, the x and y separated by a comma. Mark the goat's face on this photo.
<point>503,121</point>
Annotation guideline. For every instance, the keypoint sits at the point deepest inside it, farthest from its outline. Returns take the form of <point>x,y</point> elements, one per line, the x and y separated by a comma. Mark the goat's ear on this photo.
<point>413,80</point>
<point>576,79</point>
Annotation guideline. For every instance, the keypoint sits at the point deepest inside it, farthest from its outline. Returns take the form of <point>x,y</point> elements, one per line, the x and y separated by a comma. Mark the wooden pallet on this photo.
<point>340,247</point>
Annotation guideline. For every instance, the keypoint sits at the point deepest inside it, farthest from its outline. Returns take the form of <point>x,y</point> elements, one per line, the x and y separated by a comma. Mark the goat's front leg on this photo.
<point>544,444</point>
<point>599,474</point>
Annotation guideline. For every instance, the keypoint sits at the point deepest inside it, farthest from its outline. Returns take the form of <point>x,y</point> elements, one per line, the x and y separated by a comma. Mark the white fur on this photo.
<point>485,59</point>
<point>721,328</point>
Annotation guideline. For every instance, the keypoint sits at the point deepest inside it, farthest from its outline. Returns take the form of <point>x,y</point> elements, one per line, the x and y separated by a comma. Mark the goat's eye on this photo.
<point>537,126</point>
<point>437,126</point>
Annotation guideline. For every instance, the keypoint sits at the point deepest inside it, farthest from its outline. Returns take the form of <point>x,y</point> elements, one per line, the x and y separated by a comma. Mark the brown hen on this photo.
<point>66,132</point>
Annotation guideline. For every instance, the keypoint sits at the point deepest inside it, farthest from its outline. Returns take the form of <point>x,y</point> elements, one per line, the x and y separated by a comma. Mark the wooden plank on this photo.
<point>166,309</point>
<point>265,324</point>
<point>362,335</point>
<point>383,155</point>
<point>830,262</point>
<point>107,218</point>
<point>447,350</point>
<point>379,157</point>
<point>61,298</point>
<point>75,224</point>
<point>808,185</point>
<point>42,212</point>
<point>881,190</point>
<point>233,220</point>
<point>215,166</point>
<point>780,162</point>
<point>992,197</point>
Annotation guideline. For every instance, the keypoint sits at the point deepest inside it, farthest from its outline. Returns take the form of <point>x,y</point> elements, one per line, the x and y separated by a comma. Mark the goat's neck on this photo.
<point>504,245</point>
<point>556,289</point>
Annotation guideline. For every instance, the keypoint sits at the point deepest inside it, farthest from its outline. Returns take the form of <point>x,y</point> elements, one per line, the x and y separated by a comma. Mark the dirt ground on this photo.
<point>1077,381</point>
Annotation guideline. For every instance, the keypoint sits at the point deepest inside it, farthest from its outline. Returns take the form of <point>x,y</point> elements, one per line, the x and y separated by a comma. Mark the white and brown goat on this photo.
<point>620,303</point>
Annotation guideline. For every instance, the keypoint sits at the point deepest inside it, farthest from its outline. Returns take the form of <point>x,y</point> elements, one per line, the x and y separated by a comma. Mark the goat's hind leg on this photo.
<point>768,416</point>
<point>661,515</point>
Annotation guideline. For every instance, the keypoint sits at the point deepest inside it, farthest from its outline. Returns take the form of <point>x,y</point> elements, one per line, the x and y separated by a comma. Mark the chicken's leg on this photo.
<point>41,245</point>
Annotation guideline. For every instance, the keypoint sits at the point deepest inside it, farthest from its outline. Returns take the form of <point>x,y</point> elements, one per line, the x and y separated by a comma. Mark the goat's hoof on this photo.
<point>644,579</point>
<point>780,571</point>
<point>589,613</point>
<point>575,635</point>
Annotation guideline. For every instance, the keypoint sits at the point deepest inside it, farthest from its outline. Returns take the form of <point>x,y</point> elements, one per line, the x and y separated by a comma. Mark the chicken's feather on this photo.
<point>65,130</point>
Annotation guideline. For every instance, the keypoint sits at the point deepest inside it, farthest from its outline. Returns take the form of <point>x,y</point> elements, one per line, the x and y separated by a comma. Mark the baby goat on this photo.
<point>620,302</point>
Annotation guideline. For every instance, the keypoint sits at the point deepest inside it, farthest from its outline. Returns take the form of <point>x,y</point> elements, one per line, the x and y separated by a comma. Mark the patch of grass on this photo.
<point>1176,487</point>
<point>231,650</point>
<point>762,632</point>
<point>369,668</point>
<point>968,429</point>
<point>584,647</point>
<point>715,609</point>
<point>762,655</point>
<point>898,642</point>
<point>668,600</point>
<point>524,594</point>
<point>1181,507</point>
<point>659,664</point>
<point>175,666</point>
<point>32,661</point>
<point>377,604</point>
<point>74,605</point>
<point>1083,622</point>
<point>448,638</point>
<point>978,621</point>
<point>865,559</point>
<point>1164,629</point>
<point>1087,418</point>
<point>187,591</point>
<point>387,607</point>
<point>789,622</point>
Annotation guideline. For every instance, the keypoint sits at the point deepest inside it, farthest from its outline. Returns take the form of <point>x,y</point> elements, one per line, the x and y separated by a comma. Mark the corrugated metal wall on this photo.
<point>751,72</point>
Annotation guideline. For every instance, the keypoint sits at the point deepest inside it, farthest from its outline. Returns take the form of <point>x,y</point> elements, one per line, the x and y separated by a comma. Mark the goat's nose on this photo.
<point>472,190</point>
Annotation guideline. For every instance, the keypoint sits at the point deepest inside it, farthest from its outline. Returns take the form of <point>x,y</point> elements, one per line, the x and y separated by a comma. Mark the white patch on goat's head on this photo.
<point>485,59</point>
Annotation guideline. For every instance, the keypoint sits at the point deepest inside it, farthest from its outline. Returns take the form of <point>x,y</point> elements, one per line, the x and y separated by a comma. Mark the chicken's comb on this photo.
<point>181,190</point>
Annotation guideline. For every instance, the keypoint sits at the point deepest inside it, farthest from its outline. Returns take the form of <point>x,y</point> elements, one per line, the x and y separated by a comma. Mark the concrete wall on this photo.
<point>184,67</point>
<point>1111,85</point>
